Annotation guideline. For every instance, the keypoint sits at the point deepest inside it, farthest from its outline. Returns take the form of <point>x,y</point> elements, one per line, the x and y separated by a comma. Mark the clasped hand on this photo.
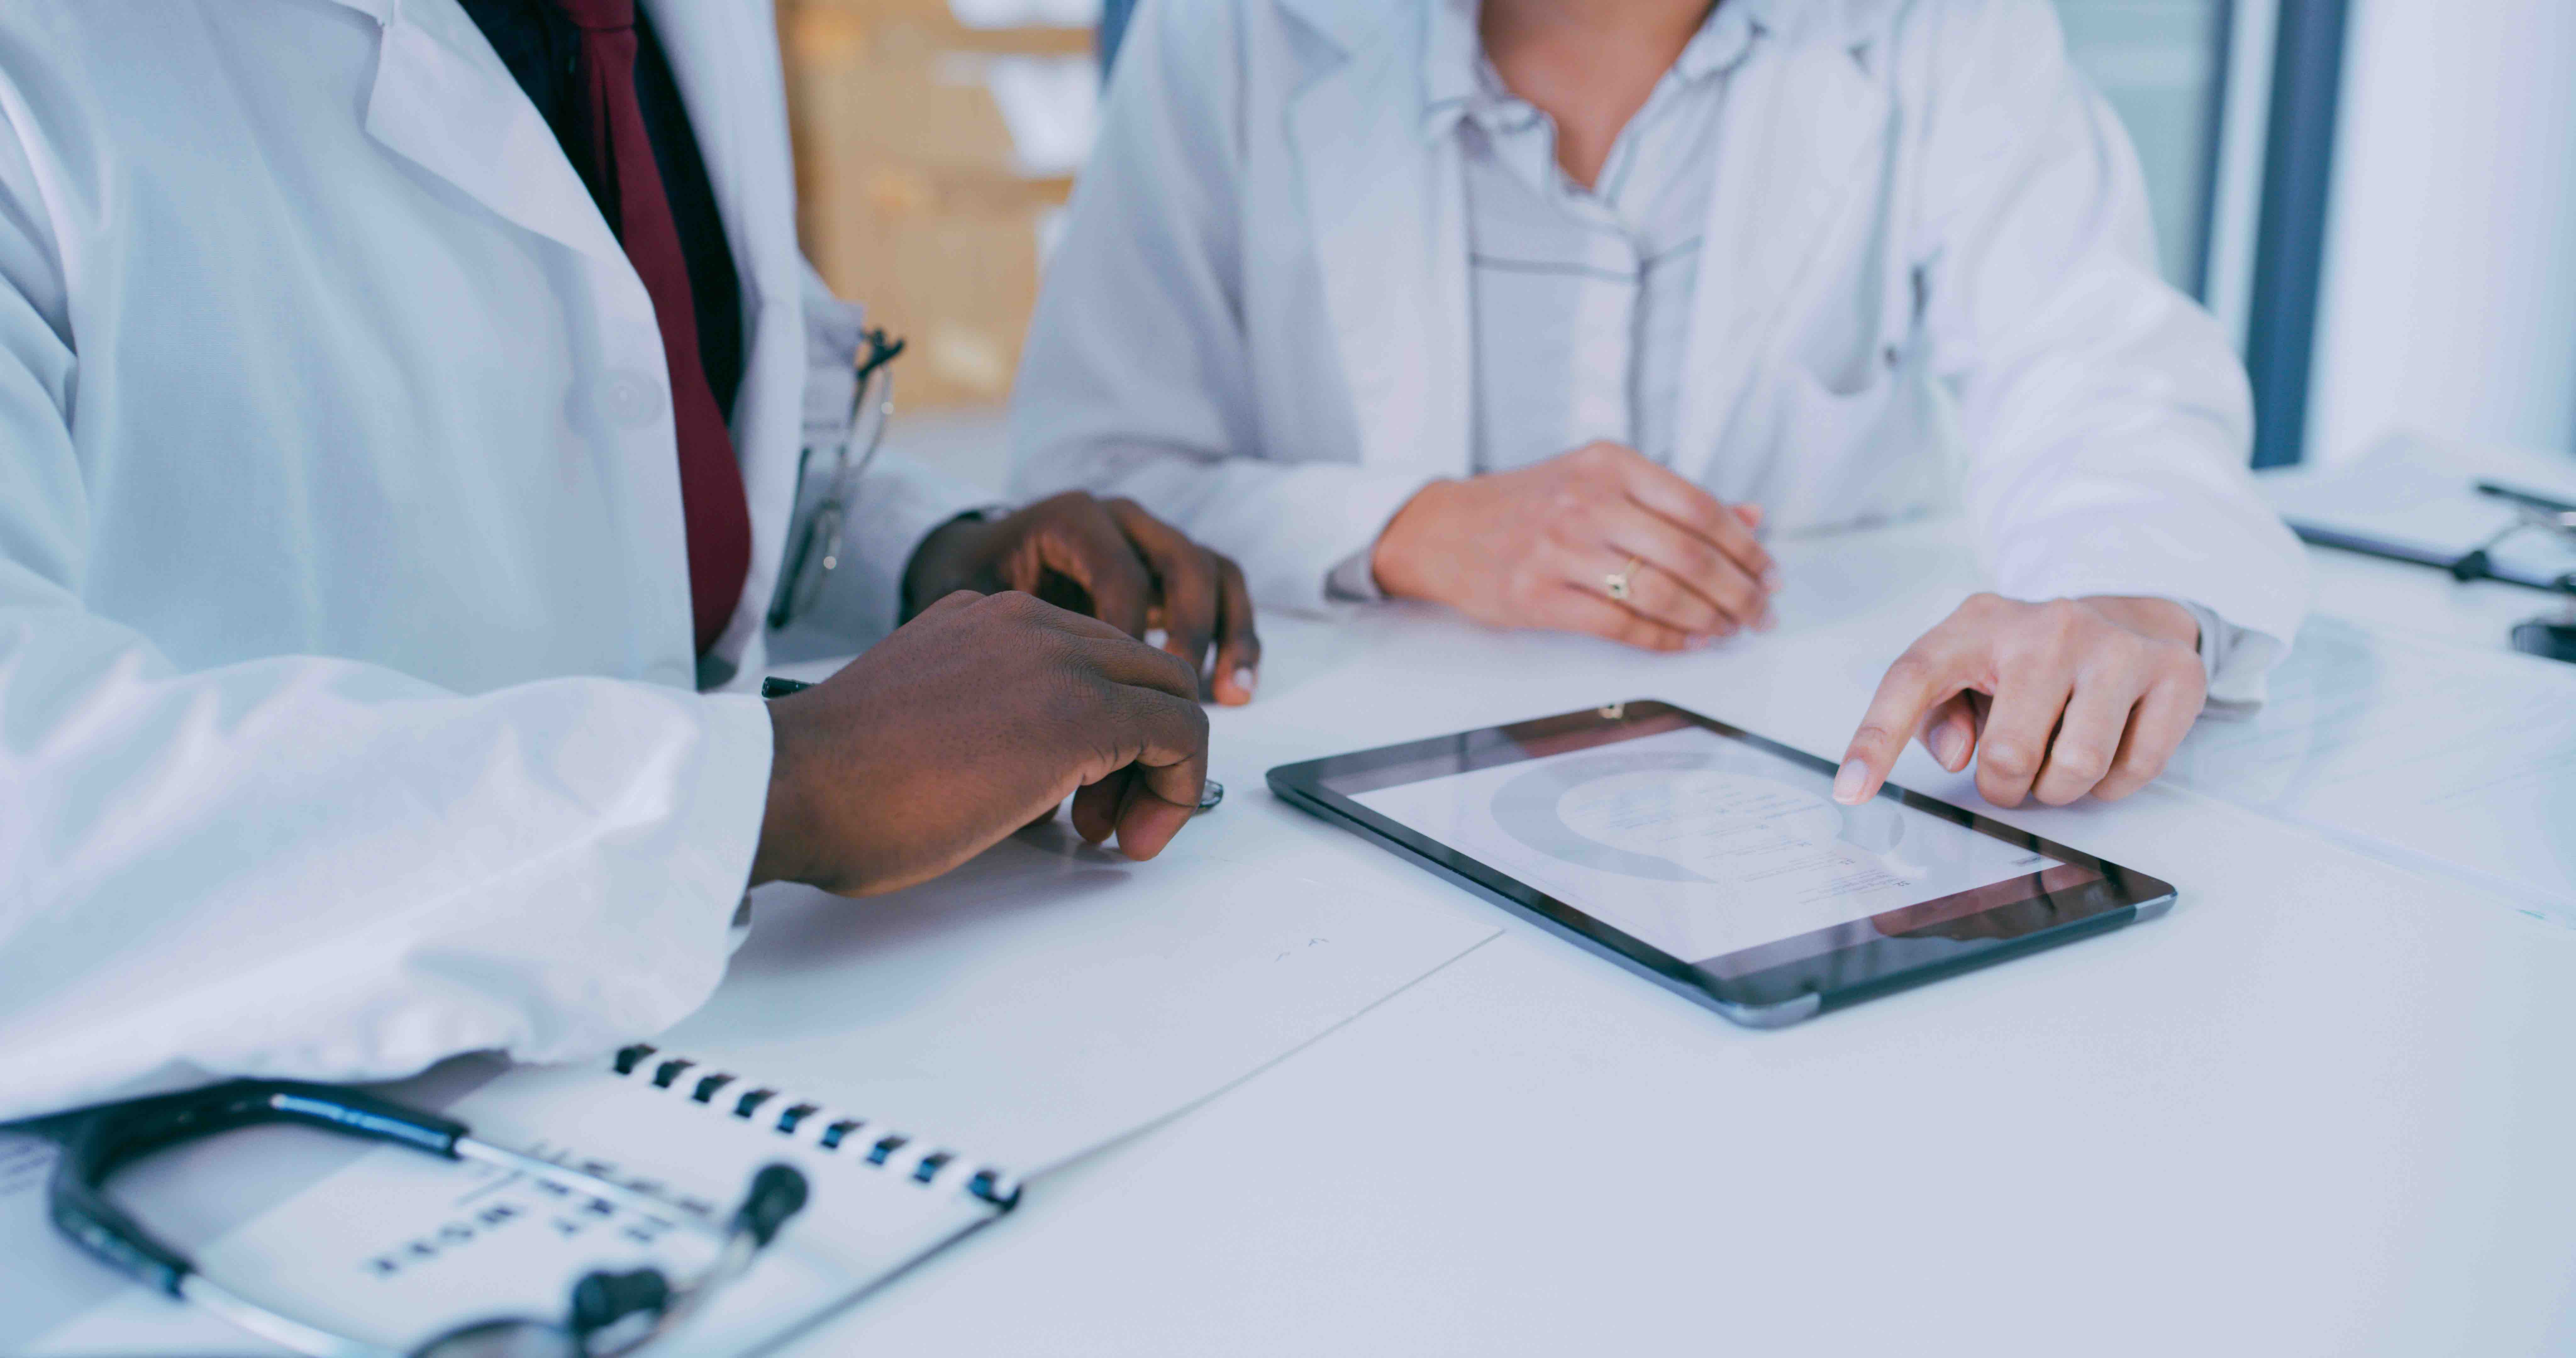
<point>1112,560</point>
<point>972,720</point>
<point>1536,547</point>
<point>993,703</point>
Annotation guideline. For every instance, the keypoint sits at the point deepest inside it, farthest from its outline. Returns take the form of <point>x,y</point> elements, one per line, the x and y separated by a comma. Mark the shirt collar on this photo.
<point>1457,81</point>
<point>1453,65</point>
<point>1723,39</point>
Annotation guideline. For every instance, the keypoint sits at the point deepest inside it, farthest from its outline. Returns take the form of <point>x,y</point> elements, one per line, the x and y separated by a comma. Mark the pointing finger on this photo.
<point>1924,676</point>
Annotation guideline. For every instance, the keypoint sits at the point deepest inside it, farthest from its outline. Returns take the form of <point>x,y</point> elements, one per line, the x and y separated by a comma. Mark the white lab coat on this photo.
<point>1257,320</point>
<point>348,705</point>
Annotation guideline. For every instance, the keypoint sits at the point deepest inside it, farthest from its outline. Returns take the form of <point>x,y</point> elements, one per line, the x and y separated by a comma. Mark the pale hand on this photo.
<point>1535,547</point>
<point>2053,700</point>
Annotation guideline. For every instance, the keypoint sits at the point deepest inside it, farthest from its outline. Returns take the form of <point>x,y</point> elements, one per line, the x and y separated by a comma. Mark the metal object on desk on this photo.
<point>2478,563</point>
<point>2538,510</point>
<point>2551,638</point>
<point>2547,639</point>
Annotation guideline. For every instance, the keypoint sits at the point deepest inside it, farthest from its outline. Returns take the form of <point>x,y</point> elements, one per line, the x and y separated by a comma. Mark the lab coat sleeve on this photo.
<point>307,867</point>
<point>892,507</point>
<point>2107,420</point>
<point>1136,376</point>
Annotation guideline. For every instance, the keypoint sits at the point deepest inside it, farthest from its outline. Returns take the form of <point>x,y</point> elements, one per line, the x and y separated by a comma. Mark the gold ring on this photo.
<point>1616,582</point>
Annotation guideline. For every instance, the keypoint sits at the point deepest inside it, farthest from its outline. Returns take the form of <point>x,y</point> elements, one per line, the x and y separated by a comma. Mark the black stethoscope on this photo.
<point>609,1313</point>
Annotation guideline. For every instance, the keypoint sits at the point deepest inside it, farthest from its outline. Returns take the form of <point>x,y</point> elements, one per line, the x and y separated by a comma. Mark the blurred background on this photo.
<point>2376,197</point>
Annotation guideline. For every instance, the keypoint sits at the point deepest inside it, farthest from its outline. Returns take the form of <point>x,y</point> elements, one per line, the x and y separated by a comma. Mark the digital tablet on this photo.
<point>1716,862</point>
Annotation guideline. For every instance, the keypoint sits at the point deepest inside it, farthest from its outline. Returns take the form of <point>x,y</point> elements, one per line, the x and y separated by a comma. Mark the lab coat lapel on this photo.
<point>1799,126</point>
<point>1386,206</point>
<point>442,100</point>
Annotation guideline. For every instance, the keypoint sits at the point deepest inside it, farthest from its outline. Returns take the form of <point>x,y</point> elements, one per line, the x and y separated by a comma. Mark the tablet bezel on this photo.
<point>1774,983</point>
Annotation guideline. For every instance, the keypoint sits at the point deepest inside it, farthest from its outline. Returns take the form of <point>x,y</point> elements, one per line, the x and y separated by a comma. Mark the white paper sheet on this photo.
<point>2422,494</point>
<point>2424,754</point>
<point>1050,996</point>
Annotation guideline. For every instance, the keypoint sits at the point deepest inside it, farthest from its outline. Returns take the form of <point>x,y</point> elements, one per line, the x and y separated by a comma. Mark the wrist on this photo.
<point>1400,562</point>
<point>786,819</point>
<point>942,564</point>
<point>2162,619</point>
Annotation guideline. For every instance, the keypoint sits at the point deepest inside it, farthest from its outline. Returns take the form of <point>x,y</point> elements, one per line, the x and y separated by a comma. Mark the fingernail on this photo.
<point>1771,578</point>
<point>1766,622</point>
<point>1699,642</point>
<point>1243,679</point>
<point>1949,746</point>
<point>1848,783</point>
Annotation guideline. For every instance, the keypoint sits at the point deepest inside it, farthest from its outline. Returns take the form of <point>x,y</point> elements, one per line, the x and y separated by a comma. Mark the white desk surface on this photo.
<point>2324,1107</point>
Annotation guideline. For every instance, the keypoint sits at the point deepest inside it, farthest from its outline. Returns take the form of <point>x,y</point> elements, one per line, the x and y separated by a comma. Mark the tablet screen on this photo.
<point>1702,845</point>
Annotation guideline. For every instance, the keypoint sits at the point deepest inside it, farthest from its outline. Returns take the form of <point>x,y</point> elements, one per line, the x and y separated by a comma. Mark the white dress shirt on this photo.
<point>1580,298</point>
<point>1925,282</point>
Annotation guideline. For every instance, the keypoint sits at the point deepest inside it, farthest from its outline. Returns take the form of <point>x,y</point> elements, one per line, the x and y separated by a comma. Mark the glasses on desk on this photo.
<point>2553,639</point>
<point>817,553</point>
<point>607,1314</point>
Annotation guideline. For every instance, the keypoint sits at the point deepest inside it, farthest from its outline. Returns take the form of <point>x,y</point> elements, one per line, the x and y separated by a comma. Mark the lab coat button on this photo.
<point>632,399</point>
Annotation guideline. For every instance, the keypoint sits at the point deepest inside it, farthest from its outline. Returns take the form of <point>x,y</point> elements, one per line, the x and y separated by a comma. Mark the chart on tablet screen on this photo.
<point>1699,845</point>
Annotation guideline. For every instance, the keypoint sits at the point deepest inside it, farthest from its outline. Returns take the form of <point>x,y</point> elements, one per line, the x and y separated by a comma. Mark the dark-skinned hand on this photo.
<point>972,720</point>
<point>1113,561</point>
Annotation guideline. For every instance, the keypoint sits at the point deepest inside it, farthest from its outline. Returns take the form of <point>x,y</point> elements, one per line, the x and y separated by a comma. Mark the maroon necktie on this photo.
<point>626,180</point>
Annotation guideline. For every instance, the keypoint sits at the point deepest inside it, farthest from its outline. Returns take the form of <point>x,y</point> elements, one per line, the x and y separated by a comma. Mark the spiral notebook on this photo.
<point>398,1247</point>
<point>919,1059</point>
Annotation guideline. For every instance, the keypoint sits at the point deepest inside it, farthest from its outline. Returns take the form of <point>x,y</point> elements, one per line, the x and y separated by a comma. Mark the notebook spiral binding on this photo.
<point>811,1124</point>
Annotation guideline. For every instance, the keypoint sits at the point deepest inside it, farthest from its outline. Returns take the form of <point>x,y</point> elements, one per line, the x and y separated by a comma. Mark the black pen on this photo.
<point>2566,512</point>
<point>1211,792</point>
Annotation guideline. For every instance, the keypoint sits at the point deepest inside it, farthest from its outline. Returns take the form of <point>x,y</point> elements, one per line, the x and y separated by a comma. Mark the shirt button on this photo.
<point>632,399</point>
